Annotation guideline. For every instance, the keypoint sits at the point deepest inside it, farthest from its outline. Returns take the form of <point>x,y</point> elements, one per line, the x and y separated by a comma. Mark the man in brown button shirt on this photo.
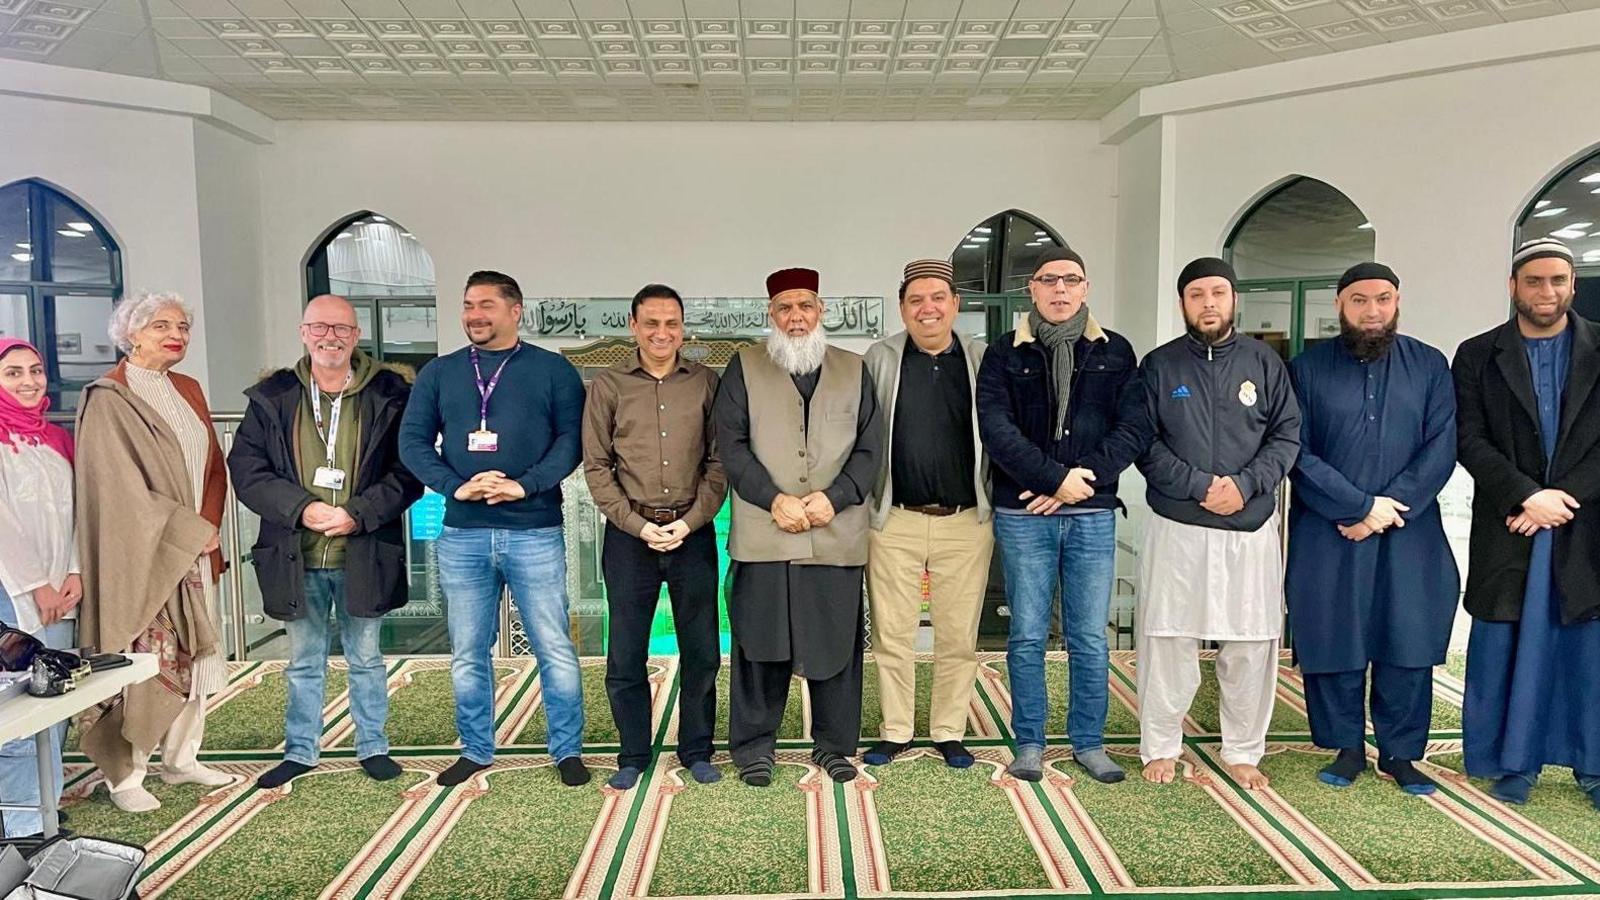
<point>651,464</point>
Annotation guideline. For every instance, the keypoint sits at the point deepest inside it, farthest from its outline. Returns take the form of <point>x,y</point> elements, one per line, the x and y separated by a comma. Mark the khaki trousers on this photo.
<point>955,550</point>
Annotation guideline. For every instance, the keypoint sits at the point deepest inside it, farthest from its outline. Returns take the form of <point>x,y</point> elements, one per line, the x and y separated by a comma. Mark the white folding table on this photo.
<point>25,715</point>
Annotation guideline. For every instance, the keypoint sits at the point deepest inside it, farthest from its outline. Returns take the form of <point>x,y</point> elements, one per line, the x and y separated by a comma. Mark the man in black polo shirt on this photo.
<point>930,511</point>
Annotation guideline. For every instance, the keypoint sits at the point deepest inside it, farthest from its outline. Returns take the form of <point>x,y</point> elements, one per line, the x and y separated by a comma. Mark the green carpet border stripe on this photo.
<point>1521,838</point>
<point>511,704</point>
<point>657,748</point>
<point>847,863</point>
<point>342,714</point>
<point>1267,815</point>
<point>200,830</point>
<point>388,861</point>
<point>1084,869</point>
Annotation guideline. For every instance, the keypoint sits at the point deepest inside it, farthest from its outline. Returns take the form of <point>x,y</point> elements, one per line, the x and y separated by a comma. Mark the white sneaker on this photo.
<point>200,775</point>
<point>135,800</point>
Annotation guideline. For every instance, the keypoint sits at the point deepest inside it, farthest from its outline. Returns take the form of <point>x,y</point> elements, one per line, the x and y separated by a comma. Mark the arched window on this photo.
<point>60,273</point>
<point>999,254</point>
<point>383,270</point>
<point>1289,251</point>
<point>1569,209</point>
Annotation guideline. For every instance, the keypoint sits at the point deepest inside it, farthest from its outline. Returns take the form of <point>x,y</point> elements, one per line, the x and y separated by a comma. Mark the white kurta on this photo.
<point>36,520</point>
<point>1210,584</point>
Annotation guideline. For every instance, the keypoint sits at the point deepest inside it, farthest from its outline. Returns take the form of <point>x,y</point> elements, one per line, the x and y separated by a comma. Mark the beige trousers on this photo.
<point>955,550</point>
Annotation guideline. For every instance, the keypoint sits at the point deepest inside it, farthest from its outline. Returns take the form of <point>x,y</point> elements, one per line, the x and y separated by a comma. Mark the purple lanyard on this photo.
<point>485,391</point>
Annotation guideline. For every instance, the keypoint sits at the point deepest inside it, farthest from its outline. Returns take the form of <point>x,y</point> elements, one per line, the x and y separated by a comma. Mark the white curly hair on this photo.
<point>137,309</point>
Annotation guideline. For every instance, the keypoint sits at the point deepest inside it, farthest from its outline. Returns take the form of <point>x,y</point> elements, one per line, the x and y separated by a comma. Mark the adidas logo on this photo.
<point>1180,392</point>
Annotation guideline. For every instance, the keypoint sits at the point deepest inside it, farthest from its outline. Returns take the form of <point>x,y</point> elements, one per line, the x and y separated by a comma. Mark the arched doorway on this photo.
<point>387,274</point>
<point>993,262</point>
<point>1289,251</point>
<point>1568,208</point>
<point>60,274</point>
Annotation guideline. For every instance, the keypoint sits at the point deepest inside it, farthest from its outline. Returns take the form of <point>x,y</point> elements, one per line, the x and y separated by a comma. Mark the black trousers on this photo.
<point>634,574</point>
<point>761,691</point>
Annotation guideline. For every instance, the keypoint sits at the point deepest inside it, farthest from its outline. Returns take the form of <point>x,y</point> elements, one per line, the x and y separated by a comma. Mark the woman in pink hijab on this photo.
<point>39,585</point>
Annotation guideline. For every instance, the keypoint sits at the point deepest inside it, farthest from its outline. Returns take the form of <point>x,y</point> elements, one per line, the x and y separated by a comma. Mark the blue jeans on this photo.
<point>1080,552</point>
<point>19,773</point>
<point>474,565</point>
<point>309,637</point>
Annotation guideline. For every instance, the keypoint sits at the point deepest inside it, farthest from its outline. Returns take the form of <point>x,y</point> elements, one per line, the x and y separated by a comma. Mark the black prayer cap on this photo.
<point>1366,271</point>
<point>1059,254</point>
<point>1206,267</point>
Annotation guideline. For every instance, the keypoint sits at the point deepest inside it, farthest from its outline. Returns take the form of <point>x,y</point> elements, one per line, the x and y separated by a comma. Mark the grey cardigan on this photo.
<point>883,362</point>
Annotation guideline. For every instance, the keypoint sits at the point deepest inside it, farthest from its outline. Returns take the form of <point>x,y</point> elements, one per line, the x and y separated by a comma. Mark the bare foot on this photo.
<point>1249,777</point>
<point>1160,771</point>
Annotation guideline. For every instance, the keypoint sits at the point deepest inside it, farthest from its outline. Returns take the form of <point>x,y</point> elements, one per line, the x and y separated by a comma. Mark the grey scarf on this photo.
<point>1059,340</point>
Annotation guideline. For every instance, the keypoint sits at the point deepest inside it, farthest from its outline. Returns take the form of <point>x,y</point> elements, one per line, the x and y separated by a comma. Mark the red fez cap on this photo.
<point>792,280</point>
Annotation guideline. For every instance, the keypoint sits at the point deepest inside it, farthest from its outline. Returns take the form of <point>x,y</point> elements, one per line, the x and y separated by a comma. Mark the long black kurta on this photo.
<point>806,615</point>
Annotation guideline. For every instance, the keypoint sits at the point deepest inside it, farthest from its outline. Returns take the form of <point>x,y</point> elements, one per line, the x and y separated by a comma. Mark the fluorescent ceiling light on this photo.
<point>1566,235</point>
<point>67,232</point>
<point>407,234</point>
<point>1574,226</point>
<point>1552,211</point>
<point>25,246</point>
<point>1591,178</point>
<point>342,235</point>
<point>1541,204</point>
<point>1595,191</point>
<point>1034,244</point>
<point>80,226</point>
<point>379,219</point>
<point>981,230</point>
<point>1364,226</point>
<point>1040,234</point>
<point>972,246</point>
<point>22,257</point>
<point>978,239</point>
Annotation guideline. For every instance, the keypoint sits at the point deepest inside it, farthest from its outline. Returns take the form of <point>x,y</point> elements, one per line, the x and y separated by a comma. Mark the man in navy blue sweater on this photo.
<point>507,418</point>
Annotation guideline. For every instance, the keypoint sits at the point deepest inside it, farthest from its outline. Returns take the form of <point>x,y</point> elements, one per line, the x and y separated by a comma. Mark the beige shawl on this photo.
<point>139,542</point>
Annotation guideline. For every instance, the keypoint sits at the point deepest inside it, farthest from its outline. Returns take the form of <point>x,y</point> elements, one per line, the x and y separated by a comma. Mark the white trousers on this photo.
<point>180,746</point>
<point>1169,674</point>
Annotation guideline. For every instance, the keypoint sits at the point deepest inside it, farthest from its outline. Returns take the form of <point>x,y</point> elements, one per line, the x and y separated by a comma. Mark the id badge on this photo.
<point>329,478</point>
<point>483,442</point>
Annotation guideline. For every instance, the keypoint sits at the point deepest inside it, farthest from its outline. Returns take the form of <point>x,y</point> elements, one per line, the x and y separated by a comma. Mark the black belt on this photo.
<point>659,515</point>
<point>931,510</point>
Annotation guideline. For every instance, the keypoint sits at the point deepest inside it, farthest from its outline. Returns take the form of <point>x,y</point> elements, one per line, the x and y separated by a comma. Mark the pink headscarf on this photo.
<point>19,424</point>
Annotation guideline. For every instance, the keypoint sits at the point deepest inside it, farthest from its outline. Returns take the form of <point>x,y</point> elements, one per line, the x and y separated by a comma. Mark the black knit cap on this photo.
<point>1059,254</point>
<point>1365,272</point>
<point>1206,267</point>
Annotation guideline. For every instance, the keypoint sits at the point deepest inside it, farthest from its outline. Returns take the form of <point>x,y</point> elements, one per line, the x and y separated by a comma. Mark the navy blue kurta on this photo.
<point>1524,708</point>
<point>1368,429</point>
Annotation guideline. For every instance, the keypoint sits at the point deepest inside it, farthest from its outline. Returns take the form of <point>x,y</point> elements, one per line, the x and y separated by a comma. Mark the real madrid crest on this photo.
<point>1247,392</point>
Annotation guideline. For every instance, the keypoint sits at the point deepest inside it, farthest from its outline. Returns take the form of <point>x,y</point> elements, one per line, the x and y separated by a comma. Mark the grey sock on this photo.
<point>625,779</point>
<point>1099,765</point>
<point>704,772</point>
<point>1028,764</point>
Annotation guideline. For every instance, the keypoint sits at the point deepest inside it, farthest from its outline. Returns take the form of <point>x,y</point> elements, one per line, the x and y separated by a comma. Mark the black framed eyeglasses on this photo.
<point>321,329</point>
<point>1051,281</point>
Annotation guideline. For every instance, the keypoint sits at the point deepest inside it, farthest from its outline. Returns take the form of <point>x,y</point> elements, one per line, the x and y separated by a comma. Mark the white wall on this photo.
<point>710,208</point>
<point>1441,164</point>
<point>229,193</point>
<point>133,169</point>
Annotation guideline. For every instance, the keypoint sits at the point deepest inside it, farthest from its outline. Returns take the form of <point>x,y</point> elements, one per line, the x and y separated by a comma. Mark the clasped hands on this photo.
<point>54,603</point>
<point>1075,488</point>
<point>662,538</point>
<point>796,514</point>
<point>1549,508</point>
<point>491,487</point>
<point>325,518</point>
<point>1385,514</point>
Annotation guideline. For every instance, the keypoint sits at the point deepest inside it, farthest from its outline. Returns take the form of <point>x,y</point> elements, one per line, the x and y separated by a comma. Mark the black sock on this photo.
<point>1406,775</point>
<point>838,767</point>
<point>381,767</point>
<point>460,771</point>
<point>1349,765</point>
<point>573,772</point>
<point>281,774</point>
<point>881,753</point>
<point>757,773</point>
<point>956,755</point>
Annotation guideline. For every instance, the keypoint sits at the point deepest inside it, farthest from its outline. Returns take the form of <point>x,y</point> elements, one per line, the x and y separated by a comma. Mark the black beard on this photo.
<point>1210,338</point>
<point>1365,345</point>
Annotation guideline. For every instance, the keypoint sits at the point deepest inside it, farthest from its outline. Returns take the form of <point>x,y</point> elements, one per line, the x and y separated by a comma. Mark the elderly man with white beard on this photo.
<point>799,433</point>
